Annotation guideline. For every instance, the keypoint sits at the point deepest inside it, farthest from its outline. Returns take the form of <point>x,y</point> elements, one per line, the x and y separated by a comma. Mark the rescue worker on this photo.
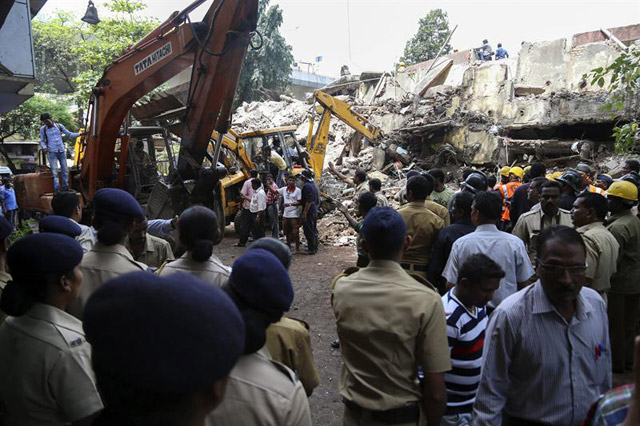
<point>504,177</point>
<point>422,226</point>
<point>261,391</point>
<point>474,182</point>
<point>169,375</point>
<point>144,247</point>
<point>281,165</point>
<point>441,194</point>
<point>441,211</point>
<point>59,225</point>
<point>624,295</point>
<point>631,166</point>
<point>198,230</point>
<point>603,181</point>
<point>586,183</point>
<point>507,191</point>
<point>570,181</point>
<point>376,391</point>
<point>366,202</point>
<point>375,187</point>
<point>520,200</point>
<point>115,212</point>
<point>45,372</point>
<point>6,229</point>
<point>310,200</point>
<point>532,223</point>
<point>359,181</point>
<point>288,340</point>
<point>67,204</point>
<point>588,214</point>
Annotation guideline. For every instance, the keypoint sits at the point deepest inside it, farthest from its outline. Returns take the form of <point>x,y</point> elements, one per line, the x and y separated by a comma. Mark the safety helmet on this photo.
<point>632,177</point>
<point>585,168</point>
<point>505,171</point>
<point>517,171</point>
<point>475,182</point>
<point>553,176</point>
<point>526,169</point>
<point>571,178</point>
<point>623,189</point>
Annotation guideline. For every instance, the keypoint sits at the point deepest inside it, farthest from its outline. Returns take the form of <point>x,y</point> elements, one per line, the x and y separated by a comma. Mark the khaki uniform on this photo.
<point>602,255</point>
<point>624,295</point>
<point>531,223</point>
<point>156,252</point>
<point>288,342</point>
<point>381,353</point>
<point>441,211</point>
<point>211,270</point>
<point>262,392</point>
<point>45,369</point>
<point>99,265</point>
<point>86,239</point>
<point>423,226</point>
<point>4,279</point>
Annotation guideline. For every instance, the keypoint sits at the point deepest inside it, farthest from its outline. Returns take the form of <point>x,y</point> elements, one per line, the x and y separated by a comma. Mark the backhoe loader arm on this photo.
<point>317,144</point>
<point>215,47</point>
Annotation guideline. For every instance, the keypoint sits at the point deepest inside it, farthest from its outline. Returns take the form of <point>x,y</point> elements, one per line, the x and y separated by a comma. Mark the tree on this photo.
<point>433,31</point>
<point>624,82</point>
<point>71,55</point>
<point>24,121</point>
<point>268,68</point>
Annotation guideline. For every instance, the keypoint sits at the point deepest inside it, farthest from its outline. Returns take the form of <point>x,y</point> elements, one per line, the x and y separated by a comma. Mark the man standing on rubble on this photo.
<point>310,201</point>
<point>501,52</point>
<point>359,181</point>
<point>422,226</point>
<point>52,145</point>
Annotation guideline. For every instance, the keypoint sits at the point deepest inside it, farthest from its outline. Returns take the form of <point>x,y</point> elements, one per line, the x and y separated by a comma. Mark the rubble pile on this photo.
<point>262,115</point>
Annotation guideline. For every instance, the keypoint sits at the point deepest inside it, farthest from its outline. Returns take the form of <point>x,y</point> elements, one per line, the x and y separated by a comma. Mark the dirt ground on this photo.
<point>311,276</point>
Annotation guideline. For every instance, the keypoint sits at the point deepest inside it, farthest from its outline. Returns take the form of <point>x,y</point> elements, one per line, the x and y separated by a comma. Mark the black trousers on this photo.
<point>310,229</point>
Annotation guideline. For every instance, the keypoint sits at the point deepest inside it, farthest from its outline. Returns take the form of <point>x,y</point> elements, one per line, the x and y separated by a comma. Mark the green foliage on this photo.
<point>624,81</point>
<point>25,119</point>
<point>73,55</point>
<point>270,67</point>
<point>22,231</point>
<point>433,31</point>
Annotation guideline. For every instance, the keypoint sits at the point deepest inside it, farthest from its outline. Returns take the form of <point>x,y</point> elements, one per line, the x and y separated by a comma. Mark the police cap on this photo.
<point>116,202</point>
<point>59,225</point>
<point>44,253</point>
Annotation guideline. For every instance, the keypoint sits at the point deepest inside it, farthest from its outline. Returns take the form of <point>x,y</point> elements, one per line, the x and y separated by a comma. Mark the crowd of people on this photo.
<point>488,305</point>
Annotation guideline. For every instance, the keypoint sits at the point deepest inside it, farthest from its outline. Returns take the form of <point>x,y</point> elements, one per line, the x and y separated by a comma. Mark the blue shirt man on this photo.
<point>501,52</point>
<point>310,201</point>
<point>52,144</point>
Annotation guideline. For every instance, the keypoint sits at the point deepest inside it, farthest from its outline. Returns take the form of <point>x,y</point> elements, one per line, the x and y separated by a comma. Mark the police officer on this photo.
<point>570,181</point>
<point>172,375</point>
<point>422,225</point>
<point>6,229</point>
<point>198,229</point>
<point>261,391</point>
<point>146,248</point>
<point>115,212</point>
<point>59,225</point>
<point>549,214</point>
<point>624,295</point>
<point>381,353</point>
<point>288,340</point>
<point>45,372</point>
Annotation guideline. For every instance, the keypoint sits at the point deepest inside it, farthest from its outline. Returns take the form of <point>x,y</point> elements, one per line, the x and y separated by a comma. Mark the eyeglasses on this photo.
<point>559,270</point>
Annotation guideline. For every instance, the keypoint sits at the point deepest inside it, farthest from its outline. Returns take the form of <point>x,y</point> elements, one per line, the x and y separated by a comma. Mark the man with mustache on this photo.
<point>546,352</point>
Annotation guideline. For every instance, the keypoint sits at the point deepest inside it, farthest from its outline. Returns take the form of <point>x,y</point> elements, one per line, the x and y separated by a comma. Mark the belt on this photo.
<point>409,413</point>
<point>516,421</point>
<point>416,267</point>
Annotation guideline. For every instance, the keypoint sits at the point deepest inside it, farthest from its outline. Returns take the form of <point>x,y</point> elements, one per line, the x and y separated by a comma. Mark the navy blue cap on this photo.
<point>6,228</point>
<point>44,253</point>
<point>605,178</point>
<point>275,247</point>
<point>262,282</point>
<point>116,202</point>
<point>172,334</point>
<point>384,226</point>
<point>59,225</point>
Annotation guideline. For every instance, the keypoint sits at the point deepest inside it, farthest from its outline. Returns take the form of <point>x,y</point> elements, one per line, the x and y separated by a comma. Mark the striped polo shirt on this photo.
<point>465,331</point>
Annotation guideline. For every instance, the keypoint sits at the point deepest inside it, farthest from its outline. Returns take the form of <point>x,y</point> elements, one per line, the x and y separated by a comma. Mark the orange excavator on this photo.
<point>214,47</point>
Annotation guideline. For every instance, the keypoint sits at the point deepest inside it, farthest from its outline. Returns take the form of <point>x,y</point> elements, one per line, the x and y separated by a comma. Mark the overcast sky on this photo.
<point>370,35</point>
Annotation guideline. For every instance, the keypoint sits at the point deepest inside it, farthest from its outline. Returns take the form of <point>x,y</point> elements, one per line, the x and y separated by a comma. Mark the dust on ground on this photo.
<point>311,276</point>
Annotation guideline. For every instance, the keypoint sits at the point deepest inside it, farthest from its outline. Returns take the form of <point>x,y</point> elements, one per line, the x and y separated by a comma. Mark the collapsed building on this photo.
<point>456,111</point>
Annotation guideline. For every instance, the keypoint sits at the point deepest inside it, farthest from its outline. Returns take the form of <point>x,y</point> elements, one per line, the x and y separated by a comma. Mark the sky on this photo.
<point>370,35</point>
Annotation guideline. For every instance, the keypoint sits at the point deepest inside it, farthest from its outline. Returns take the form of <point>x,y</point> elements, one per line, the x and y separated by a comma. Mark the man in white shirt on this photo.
<point>292,197</point>
<point>257,208</point>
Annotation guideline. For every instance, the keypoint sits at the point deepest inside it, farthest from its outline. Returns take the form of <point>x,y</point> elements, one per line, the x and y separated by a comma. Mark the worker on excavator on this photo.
<point>52,145</point>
